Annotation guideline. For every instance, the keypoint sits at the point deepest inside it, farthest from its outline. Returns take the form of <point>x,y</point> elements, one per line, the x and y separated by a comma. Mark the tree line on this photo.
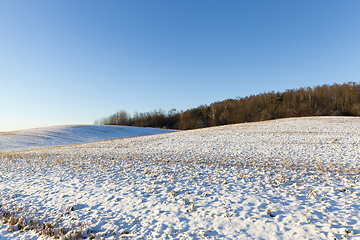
<point>325,100</point>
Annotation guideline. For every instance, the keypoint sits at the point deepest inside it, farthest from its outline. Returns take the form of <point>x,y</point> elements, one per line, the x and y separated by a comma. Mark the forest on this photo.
<point>325,100</point>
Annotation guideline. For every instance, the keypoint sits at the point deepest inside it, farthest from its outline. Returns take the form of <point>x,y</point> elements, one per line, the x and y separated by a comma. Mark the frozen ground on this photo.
<point>285,179</point>
<point>66,135</point>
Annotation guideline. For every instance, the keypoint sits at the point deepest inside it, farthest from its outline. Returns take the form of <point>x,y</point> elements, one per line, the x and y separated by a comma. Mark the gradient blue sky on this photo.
<point>71,62</point>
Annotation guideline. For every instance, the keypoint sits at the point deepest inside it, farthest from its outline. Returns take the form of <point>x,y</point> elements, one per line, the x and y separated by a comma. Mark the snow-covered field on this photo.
<point>67,135</point>
<point>285,179</point>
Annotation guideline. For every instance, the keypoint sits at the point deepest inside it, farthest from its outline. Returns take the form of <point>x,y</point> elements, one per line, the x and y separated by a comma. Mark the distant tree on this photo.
<point>322,100</point>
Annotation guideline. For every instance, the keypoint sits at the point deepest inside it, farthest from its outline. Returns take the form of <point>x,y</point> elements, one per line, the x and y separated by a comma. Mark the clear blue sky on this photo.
<point>72,62</point>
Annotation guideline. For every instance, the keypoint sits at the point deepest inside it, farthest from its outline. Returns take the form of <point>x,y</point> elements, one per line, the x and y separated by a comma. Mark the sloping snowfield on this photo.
<point>67,135</point>
<point>285,179</point>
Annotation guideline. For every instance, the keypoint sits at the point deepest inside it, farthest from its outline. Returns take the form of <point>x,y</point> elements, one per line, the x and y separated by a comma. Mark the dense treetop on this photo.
<point>334,100</point>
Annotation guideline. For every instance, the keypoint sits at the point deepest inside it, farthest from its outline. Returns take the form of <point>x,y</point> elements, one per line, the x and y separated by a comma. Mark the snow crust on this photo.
<point>285,179</point>
<point>66,135</point>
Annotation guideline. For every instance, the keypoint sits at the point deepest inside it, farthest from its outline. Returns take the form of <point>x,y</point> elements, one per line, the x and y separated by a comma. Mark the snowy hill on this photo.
<point>284,179</point>
<point>67,135</point>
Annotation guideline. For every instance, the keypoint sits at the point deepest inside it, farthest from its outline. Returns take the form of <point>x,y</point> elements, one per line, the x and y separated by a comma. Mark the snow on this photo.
<point>66,135</point>
<point>284,179</point>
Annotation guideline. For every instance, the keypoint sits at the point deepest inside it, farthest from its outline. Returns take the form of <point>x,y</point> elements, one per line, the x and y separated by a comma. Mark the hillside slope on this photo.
<point>65,135</point>
<point>284,179</point>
